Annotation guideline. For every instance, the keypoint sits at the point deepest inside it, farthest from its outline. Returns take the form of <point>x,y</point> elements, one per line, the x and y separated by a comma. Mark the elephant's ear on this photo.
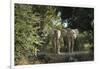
<point>75,33</point>
<point>63,32</point>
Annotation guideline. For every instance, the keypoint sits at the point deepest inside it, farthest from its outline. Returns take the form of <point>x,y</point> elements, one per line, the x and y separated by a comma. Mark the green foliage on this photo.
<point>31,28</point>
<point>26,36</point>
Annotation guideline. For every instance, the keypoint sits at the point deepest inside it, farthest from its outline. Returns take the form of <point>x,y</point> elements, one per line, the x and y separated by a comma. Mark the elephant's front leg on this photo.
<point>55,41</point>
<point>65,44</point>
<point>72,49</point>
<point>58,46</point>
<point>69,46</point>
<point>54,45</point>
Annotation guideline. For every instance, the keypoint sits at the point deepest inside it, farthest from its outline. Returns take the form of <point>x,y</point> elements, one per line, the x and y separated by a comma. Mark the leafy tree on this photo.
<point>32,25</point>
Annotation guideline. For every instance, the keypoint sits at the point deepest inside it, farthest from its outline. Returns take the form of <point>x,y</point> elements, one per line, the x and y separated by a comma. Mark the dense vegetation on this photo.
<point>34,22</point>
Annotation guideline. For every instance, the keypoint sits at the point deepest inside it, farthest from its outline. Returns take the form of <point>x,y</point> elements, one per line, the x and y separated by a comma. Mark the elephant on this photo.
<point>68,35</point>
<point>56,35</point>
